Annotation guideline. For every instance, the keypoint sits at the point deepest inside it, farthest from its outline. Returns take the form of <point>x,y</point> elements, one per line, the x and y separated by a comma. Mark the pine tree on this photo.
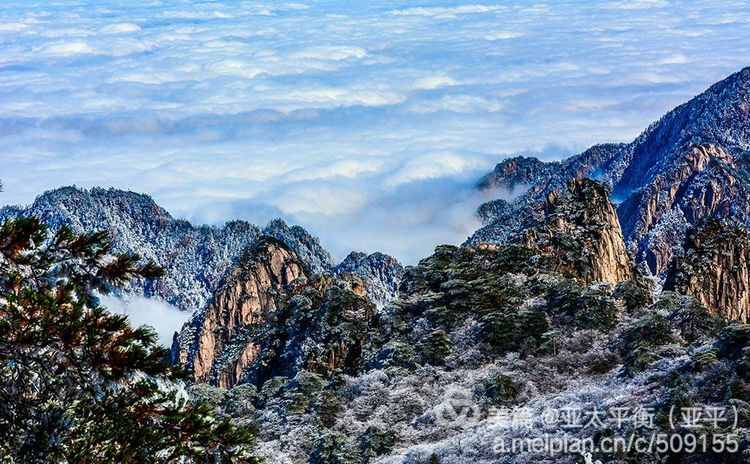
<point>436,347</point>
<point>79,384</point>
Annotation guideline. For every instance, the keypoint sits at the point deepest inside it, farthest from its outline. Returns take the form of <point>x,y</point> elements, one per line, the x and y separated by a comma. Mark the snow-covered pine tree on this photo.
<point>78,384</point>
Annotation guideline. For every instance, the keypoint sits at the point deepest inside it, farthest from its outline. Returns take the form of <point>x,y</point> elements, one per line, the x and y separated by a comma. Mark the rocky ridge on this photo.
<point>580,232</point>
<point>196,258</point>
<point>543,308</point>
<point>254,290</point>
<point>577,236</point>
<point>552,313</point>
<point>690,165</point>
<point>275,316</point>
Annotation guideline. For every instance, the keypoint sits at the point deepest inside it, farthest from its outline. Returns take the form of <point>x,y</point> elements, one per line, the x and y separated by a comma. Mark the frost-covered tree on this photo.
<point>80,385</point>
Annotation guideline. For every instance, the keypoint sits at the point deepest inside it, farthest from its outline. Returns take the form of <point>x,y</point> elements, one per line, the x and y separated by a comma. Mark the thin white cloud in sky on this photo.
<point>367,122</point>
<point>447,12</point>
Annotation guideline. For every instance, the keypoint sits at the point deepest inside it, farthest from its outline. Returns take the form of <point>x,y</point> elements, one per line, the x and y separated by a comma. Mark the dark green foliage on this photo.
<point>635,293</point>
<point>584,308</point>
<point>376,442</point>
<point>436,347</point>
<point>460,286</point>
<point>640,341</point>
<point>239,402</point>
<point>334,448</point>
<point>500,390</point>
<point>733,341</point>
<point>514,258</point>
<point>308,383</point>
<point>639,359</point>
<point>694,321</point>
<point>206,394</point>
<point>302,391</point>
<point>272,388</point>
<point>522,330</point>
<point>328,407</point>
<point>78,384</point>
<point>652,330</point>
<point>738,384</point>
<point>704,358</point>
<point>395,354</point>
<point>601,362</point>
<point>677,396</point>
<point>456,282</point>
<point>598,310</point>
<point>325,329</point>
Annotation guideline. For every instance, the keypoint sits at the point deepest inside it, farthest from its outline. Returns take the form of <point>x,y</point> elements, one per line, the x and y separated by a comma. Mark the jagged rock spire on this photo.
<point>208,344</point>
<point>579,230</point>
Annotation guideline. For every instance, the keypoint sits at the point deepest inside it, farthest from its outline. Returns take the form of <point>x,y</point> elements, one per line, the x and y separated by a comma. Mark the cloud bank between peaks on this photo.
<point>367,123</point>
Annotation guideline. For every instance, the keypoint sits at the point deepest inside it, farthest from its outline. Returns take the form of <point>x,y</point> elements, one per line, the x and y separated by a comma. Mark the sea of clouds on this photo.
<point>366,122</point>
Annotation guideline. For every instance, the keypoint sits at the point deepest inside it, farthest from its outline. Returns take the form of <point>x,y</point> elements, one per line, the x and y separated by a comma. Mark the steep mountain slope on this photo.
<point>556,319</point>
<point>196,259</point>
<point>715,269</point>
<point>274,316</point>
<point>690,165</point>
<point>208,345</point>
<point>306,246</point>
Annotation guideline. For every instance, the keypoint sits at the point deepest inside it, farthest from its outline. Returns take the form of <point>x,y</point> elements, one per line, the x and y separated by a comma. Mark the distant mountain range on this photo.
<point>196,258</point>
<point>691,165</point>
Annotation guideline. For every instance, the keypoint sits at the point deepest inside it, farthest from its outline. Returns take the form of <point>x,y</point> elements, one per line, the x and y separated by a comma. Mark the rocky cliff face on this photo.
<point>275,315</point>
<point>689,166</point>
<point>705,181</point>
<point>715,269</point>
<point>196,258</point>
<point>554,318</point>
<point>525,324</point>
<point>579,231</point>
<point>517,172</point>
<point>208,345</point>
<point>272,317</point>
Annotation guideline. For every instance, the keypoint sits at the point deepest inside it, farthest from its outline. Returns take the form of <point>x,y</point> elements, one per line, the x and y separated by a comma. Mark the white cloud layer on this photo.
<point>164,318</point>
<point>62,49</point>
<point>367,122</point>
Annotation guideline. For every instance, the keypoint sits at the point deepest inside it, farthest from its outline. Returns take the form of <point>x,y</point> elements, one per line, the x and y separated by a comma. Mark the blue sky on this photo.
<point>366,122</point>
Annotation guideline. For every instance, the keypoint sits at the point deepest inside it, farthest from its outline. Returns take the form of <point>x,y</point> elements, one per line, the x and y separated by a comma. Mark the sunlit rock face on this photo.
<point>580,231</point>
<point>274,317</point>
<point>254,290</point>
<point>704,182</point>
<point>715,269</point>
<point>689,166</point>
